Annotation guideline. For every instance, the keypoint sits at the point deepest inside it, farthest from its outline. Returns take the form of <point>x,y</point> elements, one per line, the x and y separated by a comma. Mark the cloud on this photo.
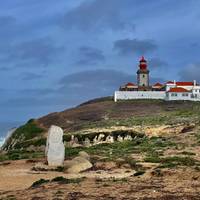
<point>96,83</point>
<point>130,46</point>
<point>190,73</point>
<point>32,53</point>
<point>157,63</point>
<point>89,55</point>
<point>28,76</point>
<point>41,50</point>
<point>8,25</point>
<point>98,15</point>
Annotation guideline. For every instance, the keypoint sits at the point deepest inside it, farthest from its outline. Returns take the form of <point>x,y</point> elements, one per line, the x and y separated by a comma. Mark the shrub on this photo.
<point>139,173</point>
<point>62,180</point>
<point>39,183</point>
<point>28,131</point>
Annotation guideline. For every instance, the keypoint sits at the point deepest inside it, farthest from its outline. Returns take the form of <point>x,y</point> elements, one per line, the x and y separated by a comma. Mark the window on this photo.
<point>174,94</point>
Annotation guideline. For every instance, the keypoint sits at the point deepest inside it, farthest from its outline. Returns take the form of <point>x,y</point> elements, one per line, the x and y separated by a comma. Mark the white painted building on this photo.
<point>170,91</point>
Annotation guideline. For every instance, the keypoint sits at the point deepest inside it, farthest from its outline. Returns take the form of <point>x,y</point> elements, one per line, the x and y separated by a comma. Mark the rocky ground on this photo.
<point>147,168</point>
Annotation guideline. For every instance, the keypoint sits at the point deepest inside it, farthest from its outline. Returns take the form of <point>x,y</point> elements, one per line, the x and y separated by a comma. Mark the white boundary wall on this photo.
<point>125,95</point>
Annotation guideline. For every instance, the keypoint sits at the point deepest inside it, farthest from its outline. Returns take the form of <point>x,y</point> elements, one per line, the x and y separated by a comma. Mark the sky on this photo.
<point>57,54</point>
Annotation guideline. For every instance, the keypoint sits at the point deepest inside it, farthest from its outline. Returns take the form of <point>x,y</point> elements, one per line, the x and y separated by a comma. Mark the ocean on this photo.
<point>5,128</point>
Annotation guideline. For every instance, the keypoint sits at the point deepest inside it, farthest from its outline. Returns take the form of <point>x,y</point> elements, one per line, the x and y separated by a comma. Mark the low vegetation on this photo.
<point>59,180</point>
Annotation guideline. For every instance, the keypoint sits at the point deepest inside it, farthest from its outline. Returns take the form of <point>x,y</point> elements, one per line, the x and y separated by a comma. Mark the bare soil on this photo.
<point>181,183</point>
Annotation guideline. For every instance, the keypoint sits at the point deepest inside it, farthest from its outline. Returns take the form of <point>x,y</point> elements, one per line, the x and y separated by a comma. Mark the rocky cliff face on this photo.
<point>148,117</point>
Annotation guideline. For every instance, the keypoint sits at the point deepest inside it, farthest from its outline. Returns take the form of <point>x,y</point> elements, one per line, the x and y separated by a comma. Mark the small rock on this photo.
<point>77,165</point>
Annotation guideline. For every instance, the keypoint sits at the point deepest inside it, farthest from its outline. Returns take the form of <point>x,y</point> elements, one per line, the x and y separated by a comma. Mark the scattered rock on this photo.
<point>120,139</point>
<point>109,139</point>
<point>128,138</point>
<point>105,165</point>
<point>87,142</point>
<point>77,165</point>
<point>40,167</point>
<point>85,155</point>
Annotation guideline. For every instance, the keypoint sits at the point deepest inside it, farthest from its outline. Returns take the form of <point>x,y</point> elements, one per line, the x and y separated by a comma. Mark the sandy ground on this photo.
<point>19,176</point>
<point>174,184</point>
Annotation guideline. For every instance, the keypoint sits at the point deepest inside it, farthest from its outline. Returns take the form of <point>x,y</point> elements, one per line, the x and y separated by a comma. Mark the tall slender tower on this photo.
<point>143,73</point>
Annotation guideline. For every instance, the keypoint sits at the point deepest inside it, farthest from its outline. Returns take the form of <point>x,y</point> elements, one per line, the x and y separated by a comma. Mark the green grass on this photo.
<point>28,131</point>
<point>24,133</point>
<point>151,147</point>
<point>20,154</point>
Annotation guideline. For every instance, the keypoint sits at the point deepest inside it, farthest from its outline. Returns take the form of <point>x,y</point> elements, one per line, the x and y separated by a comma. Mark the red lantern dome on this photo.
<point>143,63</point>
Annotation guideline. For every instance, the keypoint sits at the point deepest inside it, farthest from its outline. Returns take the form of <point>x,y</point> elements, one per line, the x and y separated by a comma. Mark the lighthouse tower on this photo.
<point>143,74</point>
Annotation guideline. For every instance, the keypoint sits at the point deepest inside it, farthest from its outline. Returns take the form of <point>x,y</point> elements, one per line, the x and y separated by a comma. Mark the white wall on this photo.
<point>125,95</point>
<point>171,97</point>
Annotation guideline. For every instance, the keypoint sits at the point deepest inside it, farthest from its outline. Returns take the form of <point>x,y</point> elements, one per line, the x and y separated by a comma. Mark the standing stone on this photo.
<point>55,150</point>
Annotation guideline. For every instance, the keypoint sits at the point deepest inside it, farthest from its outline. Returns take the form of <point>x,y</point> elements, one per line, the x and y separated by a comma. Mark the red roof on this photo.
<point>179,83</point>
<point>170,82</point>
<point>178,89</point>
<point>158,84</point>
<point>185,83</point>
<point>130,84</point>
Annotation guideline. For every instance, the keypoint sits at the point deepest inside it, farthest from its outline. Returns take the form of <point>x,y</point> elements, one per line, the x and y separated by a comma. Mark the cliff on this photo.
<point>151,117</point>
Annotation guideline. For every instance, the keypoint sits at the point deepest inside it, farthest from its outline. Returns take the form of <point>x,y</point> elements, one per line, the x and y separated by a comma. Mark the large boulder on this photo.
<point>78,164</point>
<point>55,150</point>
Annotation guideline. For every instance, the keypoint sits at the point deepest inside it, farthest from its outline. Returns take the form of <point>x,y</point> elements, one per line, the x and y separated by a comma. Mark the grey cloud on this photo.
<point>32,53</point>
<point>96,82</point>
<point>130,46</point>
<point>41,50</point>
<point>90,55</point>
<point>39,91</point>
<point>96,15</point>
<point>7,21</point>
<point>31,76</point>
<point>157,63</point>
<point>190,73</point>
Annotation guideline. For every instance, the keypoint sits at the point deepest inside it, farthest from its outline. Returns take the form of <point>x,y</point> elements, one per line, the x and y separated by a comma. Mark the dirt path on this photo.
<point>18,175</point>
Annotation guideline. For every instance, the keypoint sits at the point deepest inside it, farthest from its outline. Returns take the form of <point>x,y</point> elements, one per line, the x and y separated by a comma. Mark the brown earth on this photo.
<point>182,183</point>
<point>108,181</point>
<point>104,109</point>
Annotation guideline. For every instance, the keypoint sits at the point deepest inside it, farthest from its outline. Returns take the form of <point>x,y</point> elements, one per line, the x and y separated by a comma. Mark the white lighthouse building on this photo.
<point>169,91</point>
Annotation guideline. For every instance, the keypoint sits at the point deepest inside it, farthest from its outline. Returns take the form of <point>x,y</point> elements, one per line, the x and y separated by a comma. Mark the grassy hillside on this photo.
<point>104,113</point>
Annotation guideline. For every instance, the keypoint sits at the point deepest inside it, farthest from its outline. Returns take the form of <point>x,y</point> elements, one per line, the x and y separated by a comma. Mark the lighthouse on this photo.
<point>143,74</point>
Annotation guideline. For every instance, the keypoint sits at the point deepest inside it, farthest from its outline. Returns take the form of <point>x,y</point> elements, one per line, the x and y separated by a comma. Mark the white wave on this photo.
<point>8,135</point>
<point>2,140</point>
